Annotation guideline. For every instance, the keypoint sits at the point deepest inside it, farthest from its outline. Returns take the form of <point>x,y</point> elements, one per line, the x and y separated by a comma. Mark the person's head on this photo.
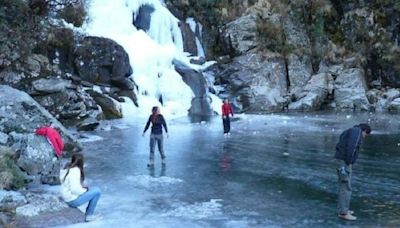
<point>155,110</point>
<point>226,101</point>
<point>365,128</point>
<point>77,161</point>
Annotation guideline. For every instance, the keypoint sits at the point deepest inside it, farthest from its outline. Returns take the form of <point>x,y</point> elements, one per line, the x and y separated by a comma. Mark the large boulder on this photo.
<point>110,107</point>
<point>299,72</point>
<point>36,157</point>
<point>51,85</point>
<point>241,34</point>
<point>257,81</point>
<point>26,69</point>
<point>314,94</point>
<point>350,90</point>
<point>46,209</point>
<point>21,114</point>
<point>103,61</point>
<point>196,81</point>
<point>11,177</point>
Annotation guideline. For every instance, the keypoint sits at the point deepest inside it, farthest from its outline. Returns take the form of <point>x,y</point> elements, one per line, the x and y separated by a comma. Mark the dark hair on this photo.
<point>76,161</point>
<point>154,114</point>
<point>365,127</point>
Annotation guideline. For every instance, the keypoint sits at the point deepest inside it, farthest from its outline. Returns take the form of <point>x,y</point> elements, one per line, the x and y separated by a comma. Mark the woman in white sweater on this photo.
<point>72,190</point>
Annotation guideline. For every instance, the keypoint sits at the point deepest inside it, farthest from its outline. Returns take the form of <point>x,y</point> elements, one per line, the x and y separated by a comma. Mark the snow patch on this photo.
<point>197,210</point>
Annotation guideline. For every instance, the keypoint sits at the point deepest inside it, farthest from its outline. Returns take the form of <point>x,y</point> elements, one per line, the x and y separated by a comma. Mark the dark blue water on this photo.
<point>274,170</point>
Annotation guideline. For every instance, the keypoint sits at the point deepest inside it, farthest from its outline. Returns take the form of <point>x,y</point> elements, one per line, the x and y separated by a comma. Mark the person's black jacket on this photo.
<point>348,145</point>
<point>158,123</point>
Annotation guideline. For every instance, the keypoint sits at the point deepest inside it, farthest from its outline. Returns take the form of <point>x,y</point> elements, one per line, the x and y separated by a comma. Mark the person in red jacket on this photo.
<point>53,137</point>
<point>226,110</point>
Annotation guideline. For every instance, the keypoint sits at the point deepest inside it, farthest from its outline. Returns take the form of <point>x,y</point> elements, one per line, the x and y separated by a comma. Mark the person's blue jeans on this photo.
<point>91,196</point>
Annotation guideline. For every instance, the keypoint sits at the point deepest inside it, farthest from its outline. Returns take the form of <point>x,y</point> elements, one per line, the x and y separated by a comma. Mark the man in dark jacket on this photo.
<point>347,150</point>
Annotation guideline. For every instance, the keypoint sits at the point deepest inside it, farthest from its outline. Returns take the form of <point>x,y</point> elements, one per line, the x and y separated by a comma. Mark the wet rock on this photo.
<point>142,19</point>
<point>11,177</point>
<point>52,85</point>
<point>11,199</point>
<point>89,124</point>
<point>224,59</point>
<point>198,61</point>
<point>111,109</point>
<point>3,138</point>
<point>195,80</point>
<point>46,209</point>
<point>20,113</point>
<point>394,105</point>
<point>61,217</point>
<point>130,94</point>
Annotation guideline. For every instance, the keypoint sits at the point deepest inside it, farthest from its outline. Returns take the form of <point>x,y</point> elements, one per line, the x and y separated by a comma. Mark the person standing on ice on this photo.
<point>156,136</point>
<point>347,151</point>
<point>226,111</point>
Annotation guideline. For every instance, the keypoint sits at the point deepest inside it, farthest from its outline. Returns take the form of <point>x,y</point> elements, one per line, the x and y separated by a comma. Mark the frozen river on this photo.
<point>273,171</point>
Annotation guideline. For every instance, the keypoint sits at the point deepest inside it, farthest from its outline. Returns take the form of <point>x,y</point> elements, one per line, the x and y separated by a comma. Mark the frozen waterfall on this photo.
<point>151,53</point>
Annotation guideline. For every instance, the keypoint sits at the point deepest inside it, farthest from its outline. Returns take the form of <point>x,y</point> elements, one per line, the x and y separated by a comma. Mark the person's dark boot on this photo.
<point>151,163</point>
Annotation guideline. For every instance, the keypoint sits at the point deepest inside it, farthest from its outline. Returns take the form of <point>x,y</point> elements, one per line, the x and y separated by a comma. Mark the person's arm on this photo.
<point>231,109</point>
<point>164,124</point>
<point>147,125</point>
<point>352,142</point>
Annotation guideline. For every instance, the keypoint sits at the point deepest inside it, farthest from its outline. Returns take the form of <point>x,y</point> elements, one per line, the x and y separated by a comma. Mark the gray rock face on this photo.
<point>111,109</point>
<point>3,138</point>
<point>189,38</point>
<point>39,203</point>
<point>241,34</point>
<point>103,61</point>
<point>21,114</point>
<point>29,68</point>
<point>52,85</point>
<point>313,95</point>
<point>37,157</point>
<point>384,100</point>
<point>142,19</point>
<point>394,105</point>
<point>300,71</point>
<point>88,124</point>
<point>350,90</point>
<point>11,177</point>
<point>256,81</point>
<point>196,81</point>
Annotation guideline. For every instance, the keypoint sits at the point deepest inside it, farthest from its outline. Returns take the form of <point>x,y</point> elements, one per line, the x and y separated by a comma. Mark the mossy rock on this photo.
<point>11,176</point>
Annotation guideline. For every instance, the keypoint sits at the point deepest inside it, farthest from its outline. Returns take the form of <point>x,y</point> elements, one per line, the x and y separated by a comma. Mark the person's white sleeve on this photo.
<point>75,181</point>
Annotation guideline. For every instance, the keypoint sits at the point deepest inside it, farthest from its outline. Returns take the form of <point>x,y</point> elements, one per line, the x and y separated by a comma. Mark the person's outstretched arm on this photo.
<point>164,124</point>
<point>147,125</point>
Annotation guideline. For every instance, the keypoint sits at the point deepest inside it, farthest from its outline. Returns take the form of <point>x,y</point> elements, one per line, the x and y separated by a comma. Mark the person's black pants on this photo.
<point>227,124</point>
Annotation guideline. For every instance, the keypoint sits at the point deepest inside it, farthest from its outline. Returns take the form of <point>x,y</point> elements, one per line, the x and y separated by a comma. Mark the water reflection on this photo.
<point>162,171</point>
